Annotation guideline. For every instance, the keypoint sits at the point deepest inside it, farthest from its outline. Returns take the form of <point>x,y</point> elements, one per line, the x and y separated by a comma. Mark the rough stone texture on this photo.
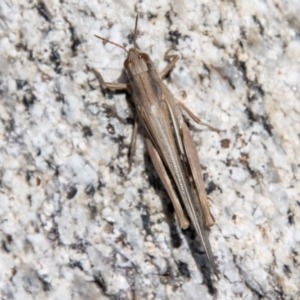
<point>72,226</point>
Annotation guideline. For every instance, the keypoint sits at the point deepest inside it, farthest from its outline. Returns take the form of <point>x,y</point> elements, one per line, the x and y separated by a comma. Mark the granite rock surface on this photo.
<point>73,225</point>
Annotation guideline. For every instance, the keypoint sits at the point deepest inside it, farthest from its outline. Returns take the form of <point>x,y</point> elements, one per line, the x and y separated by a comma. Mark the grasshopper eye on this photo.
<point>144,57</point>
<point>127,63</point>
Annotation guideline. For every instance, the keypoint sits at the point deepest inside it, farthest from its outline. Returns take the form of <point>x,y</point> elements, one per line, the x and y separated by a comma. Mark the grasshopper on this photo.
<point>168,139</point>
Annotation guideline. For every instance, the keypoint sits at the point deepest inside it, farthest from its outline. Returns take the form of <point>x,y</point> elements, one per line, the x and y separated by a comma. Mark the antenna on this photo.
<point>108,41</point>
<point>135,31</point>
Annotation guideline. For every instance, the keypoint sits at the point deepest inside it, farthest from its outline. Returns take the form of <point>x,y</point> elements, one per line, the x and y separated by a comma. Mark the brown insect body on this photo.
<point>168,141</point>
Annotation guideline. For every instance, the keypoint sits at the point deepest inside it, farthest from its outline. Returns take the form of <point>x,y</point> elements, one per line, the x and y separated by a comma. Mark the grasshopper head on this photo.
<point>137,62</point>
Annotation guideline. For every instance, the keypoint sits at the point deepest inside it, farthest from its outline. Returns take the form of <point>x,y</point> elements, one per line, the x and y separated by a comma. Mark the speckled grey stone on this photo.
<point>73,225</point>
